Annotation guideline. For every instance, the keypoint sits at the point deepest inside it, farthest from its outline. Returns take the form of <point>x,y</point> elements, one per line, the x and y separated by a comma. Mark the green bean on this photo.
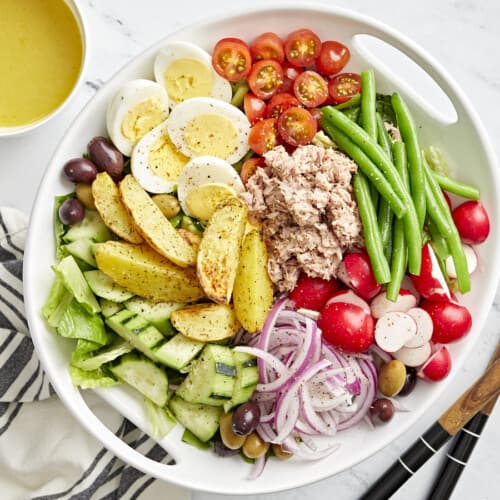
<point>456,187</point>
<point>375,196</point>
<point>371,232</point>
<point>436,212</point>
<point>383,136</point>
<point>240,89</point>
<point>408,132</point>
<point>413,235</point>
<point>437,240</point>
<point>353,101</point>
<point>398,260</point>
<point>367,167</point>
<point>368,103</point>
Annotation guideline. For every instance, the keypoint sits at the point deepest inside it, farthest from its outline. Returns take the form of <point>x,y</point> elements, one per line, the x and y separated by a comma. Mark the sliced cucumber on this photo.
<point>157,313</point>
<point>201,420</point>
<point>108,307</point>
<point>247,376</point>
<point>93,360</point>
<point>92,227</point>
<point>144,375</point>
<point>82,249</point>
<point>211,380</point>
<point>179,351</point>
<point>103,286</point>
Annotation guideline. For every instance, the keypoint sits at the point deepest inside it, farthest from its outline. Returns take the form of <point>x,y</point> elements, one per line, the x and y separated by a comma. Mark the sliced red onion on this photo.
<point>258,467</point>
<point>384,356</point>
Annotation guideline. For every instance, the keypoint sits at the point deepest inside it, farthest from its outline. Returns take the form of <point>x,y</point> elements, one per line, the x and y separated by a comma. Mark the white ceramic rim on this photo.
<point>158,470</point>
<point>82,25</point>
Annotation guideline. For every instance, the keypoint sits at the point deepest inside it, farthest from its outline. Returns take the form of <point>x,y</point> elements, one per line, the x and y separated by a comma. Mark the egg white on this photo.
<point>184,50</point>
<point>126,98</point>
<point>206,170</point>
<point>184,112</point>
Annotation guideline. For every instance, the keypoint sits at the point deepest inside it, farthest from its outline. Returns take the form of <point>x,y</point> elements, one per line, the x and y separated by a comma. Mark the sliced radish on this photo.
<point>424,327</point>
<point>407,284</point>
<point>381,305</point>
<point>471,258</point>
<point>356,272</point>
<point>413,357</point>
<point>431,283</point>
<point>437,366</point>
<point>393,330</point>
<point>349,297</point>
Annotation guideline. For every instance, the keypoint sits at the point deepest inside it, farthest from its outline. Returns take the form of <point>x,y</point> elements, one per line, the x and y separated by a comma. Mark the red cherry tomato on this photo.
<point>231,59</point>
<point>279,103</point>
<point>311,89</point>
<point>250,166</point>
<point>297,126</point>
<point>264,136</point>
<point>344,86</point>
<point>346,326</point>
<point>265,78</point>
<point>472,221</point>
<point>313,293</point>
<point>332,58</point>
<point>290,73</point>
<point>267,46</point>
<point>254,107</point>
<point>451,321</point>
<point>302,47</point>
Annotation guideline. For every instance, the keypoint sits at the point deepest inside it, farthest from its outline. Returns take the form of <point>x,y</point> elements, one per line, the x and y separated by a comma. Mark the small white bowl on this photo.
<point>22,129</point>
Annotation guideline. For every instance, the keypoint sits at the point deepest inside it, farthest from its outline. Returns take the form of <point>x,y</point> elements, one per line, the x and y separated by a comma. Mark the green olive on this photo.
<point>168,204</point>
<point>84,195</point>
<point>229,438</point>
<point>254,446</point>
<point>391,378</point>
<point>281,453</point>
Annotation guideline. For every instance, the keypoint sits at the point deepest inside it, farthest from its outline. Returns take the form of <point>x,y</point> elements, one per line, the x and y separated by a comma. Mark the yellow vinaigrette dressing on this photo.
<point>41,54</point>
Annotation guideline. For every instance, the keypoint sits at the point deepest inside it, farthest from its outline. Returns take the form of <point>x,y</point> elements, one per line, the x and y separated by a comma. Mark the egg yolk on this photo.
<point>211,134</point>
<point>186,78</point>
<point>165,160</point>
<point>142,118</point>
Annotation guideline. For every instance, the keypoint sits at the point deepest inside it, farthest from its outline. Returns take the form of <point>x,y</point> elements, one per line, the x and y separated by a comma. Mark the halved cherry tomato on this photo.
<point>342,87</point>
<point>265,78</point>
<point>264,136</point>
<point>290,72</point>
<point>311,89</point>
<point>332,57</point>
<point>267,46</point>
<point>297,126</point>
<point>254,107</point>
<point>279,103</point>
<point>302,47</point>
<point>231,59</point>
<point>250,166</point>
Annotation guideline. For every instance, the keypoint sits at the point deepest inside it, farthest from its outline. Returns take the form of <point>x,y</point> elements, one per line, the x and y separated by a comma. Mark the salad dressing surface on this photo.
<point>41,53</point>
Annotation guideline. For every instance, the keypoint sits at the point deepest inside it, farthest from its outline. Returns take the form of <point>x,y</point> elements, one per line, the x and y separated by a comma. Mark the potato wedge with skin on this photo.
<point>253,288</point>
<point>219,250</point>
<point>154,227</point>
<point>206,322</point>
<point>141,270</point>
<point>109,204</point>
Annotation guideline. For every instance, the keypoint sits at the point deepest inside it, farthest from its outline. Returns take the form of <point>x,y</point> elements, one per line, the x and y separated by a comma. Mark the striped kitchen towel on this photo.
<point>44,453</point>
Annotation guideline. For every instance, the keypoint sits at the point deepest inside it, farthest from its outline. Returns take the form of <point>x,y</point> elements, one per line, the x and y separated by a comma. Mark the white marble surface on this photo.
<point>464,35</point>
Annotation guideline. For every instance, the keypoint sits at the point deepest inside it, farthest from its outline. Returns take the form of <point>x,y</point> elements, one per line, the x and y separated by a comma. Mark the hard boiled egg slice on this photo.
<point>156,163</point>
<point>201,201</point>
<point>205,170</point>
<point>205,126</point>
<point>138,107</point>
<point>185,70</point>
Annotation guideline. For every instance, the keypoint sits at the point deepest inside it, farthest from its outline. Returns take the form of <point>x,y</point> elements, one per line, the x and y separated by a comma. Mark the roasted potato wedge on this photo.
<point>108,203</point>
<point>219,250</point>
<point>253,289</point>
<point>154,227</point>
<point>193,239</point>
<point>206,322</point>
<point>141,270</point>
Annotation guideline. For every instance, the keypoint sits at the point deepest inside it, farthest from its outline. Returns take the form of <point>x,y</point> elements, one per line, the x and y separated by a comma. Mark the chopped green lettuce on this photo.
<point>57,303</point>
<point>94,359</point>
<point>436,160</point>
<point>59,227</point>
<point>91,380</point>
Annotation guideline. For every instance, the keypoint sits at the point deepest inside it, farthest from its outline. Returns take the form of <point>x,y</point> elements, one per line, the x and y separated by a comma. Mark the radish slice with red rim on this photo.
<point>425,327</point>
<point>413,357</point>
<point>393,330</point>
<point>470,256</point>
<point>381,305</point>
<point>349,297</point>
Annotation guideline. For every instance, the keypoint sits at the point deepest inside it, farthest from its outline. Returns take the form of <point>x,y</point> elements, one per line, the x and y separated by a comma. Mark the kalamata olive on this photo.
<point>84,195</point>
<point>229,438</point>
<point>382,409</point>
<point>254,446</point>
<point>168,204</point>
<point>106,157</point>
<point>391,378</point>
<point>410,382</point>
<point>80,170</point>
<point>280,453</point>
<point>71,212</point>
<point>221,449</point>
<point>246,418</point>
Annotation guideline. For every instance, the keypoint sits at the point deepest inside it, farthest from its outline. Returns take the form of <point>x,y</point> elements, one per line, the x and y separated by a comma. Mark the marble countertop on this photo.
<point>461,34</point>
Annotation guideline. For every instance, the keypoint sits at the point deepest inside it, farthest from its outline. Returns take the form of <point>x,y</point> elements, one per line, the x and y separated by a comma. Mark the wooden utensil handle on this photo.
<point>485,389</point>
